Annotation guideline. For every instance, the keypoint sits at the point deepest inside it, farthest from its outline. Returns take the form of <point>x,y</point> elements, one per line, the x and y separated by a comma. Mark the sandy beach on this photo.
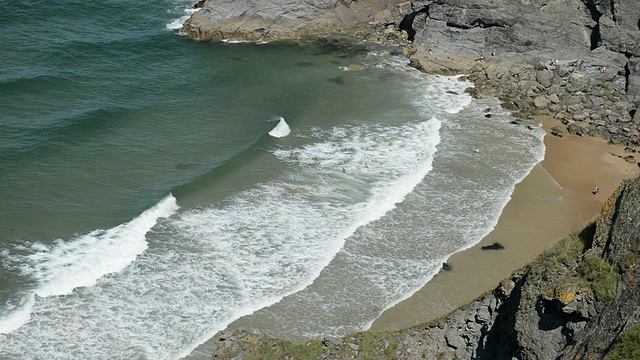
<point>554,200</point>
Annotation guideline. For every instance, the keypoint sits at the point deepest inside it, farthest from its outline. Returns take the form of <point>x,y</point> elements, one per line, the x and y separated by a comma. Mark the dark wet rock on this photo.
<point>557,131</point>
<point>473,92</point>
<point>576,129</point>
<point>447,267</point>
<point>494,246</point>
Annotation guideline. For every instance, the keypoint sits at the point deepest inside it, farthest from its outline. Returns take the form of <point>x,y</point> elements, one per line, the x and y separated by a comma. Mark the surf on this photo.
<point>66,265</point>
<point>281,130</point>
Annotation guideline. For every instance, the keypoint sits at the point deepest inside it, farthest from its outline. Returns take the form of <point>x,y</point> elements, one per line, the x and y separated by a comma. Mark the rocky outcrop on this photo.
<point>285,19</point>
<point>586,99</point>
<point>577,60</point>
<point>573,302</point>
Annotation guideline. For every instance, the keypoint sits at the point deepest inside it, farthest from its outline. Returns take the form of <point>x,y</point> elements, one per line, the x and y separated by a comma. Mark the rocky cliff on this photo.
<point>579,300</point>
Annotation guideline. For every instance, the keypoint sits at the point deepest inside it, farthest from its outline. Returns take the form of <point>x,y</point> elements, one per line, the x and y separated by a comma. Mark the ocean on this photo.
<point>156,189</point>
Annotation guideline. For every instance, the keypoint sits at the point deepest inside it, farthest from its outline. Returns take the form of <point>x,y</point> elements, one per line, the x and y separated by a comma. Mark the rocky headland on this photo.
<point>575,60</point>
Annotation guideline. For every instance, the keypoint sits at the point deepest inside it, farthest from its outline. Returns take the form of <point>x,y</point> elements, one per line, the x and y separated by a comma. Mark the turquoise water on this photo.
<point>156,189</point>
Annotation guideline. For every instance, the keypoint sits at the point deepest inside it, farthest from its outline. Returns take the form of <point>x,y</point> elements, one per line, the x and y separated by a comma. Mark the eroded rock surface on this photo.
<point>286,19</point>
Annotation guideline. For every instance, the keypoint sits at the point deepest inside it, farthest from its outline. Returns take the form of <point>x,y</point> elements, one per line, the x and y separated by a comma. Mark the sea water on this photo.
<point>156,189</point>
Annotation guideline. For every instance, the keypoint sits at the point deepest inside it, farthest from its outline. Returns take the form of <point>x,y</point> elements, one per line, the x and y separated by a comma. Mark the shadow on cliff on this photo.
<point>500,341</point>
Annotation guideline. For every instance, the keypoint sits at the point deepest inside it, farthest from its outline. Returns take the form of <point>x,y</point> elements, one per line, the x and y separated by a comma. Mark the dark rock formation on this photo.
<point>494,246</point>
<point>593,80</point>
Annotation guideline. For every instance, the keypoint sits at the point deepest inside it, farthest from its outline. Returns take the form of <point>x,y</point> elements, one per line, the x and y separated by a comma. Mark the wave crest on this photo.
<point>281,130</point>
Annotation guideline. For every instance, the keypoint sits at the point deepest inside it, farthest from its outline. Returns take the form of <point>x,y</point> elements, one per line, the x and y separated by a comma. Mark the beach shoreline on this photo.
<point>554,200</point>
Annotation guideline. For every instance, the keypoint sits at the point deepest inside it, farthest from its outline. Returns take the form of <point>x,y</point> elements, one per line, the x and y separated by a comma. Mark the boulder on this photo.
<point>494,246</point>
<point>541,102</point>
<point>557,131</point>
<point>576,129</point>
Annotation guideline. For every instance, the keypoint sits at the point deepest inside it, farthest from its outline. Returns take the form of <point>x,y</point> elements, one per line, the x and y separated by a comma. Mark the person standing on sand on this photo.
<point>596,191</point>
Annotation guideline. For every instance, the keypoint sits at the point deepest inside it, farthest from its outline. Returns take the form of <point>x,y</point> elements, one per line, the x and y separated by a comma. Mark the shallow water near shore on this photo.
<point>157,189</point>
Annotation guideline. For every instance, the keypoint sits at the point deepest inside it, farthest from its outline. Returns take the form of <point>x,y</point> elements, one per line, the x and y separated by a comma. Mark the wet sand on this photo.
<point>554,200</point>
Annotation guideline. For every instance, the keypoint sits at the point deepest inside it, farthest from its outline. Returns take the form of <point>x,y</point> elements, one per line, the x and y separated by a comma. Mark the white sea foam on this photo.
<point>176,24</point>
<point>18,315</point>
<point>66,265</point>
<point>453,207</point>
<point>235,41</point>
<point>281,130</point>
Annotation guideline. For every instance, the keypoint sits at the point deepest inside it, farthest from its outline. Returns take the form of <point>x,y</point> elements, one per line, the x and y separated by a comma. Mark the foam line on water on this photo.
<point>537,155</point>
<point>176,24</point>
<point>453,207</point>
<point>385,194</point>
<point>17,315</point>
<point>66,265</point>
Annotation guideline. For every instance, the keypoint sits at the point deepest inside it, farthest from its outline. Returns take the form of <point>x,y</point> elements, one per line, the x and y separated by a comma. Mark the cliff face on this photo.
<point>578,307</point>
<point>522,31</point>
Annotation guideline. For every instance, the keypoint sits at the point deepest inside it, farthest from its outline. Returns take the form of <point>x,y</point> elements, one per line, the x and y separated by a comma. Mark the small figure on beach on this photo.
<point>603,69</point>
<point>318,165</point>
<point>596,191</point>
<point>366,166</point>
<point>292,153</point>
<point>344,171</point>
